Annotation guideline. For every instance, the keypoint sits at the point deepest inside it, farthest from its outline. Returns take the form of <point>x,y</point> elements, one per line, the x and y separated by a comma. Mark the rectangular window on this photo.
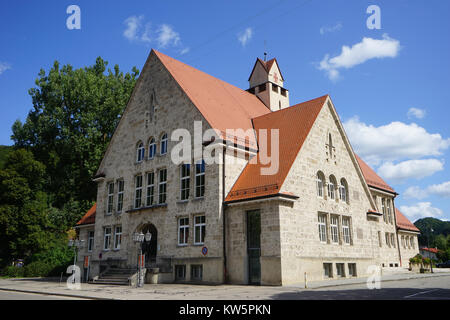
<point>90,241</point>
<point>110,198</point>
<point>199,229</point>
<point>200,179</point>
<point>388,210</point>
<point>183,231</point>
<point>196,272</point>
<point>150,189</point>
<point>334,228</point>
<point>262,87</point>
<point>346,230</point>
<point>138,192</point>
<point>120,189</point>
<point>185,176</point>
<point>340,270</point>
<point>180,272</point>
<point>323,228</point>
<point>328,270</point>
<point>106,238</point>
<point>352,269</point>
<point>393,240</point>
<point>319,184</point>
<point>117,237</point>
<point>274,88</point>
<point>380,242</point>
<point>331,191</point>
<point>283,92</point>
<point>387,239</point>
<point>162,188</point>
<point>383,209</point>
<point>342,194</point>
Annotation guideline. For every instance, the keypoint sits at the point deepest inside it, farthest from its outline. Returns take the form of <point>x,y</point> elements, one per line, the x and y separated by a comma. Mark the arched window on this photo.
<point>151,148</point>
<point>140,152</point>
<point>163,145</point>
<point>343,191</point>
<point>320,183</point>
<point>331,188</point>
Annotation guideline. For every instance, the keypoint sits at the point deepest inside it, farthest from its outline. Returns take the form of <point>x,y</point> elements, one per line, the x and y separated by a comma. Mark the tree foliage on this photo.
<point>75,112</point>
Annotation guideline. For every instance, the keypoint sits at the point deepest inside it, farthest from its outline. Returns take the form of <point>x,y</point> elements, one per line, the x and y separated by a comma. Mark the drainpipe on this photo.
<point>396,231</point>
<point>224,218</point>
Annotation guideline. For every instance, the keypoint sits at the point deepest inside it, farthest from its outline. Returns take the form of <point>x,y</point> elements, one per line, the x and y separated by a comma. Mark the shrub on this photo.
<point>37,269</point>
<point>416,259</point>
<point>13,272</point>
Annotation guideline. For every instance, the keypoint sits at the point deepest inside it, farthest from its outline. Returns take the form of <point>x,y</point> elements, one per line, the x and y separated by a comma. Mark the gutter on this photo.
<point>225,273</point>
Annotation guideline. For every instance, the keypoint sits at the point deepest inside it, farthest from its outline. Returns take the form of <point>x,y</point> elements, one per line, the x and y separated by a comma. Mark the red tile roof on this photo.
<point>223,105</point>
<point>89,217</point>
<point>432,250</point>
<point>267,65</point>
<point>372,179</point>
<point>294,124</point>
<point>403,222</point>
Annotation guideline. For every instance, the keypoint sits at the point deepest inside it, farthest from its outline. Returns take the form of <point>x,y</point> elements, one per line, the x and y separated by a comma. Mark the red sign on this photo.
<point>142,260</point>
<point>86,261</point>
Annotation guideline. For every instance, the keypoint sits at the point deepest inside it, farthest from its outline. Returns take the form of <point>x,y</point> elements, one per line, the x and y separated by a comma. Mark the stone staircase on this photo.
<point>116,276</point>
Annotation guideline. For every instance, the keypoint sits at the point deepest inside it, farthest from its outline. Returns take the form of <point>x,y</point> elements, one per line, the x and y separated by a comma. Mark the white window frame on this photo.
<point>140,154</point>
<point>91,239</point>
<point>346,230</point>
<point>110,204</point>
<point>106,238</point>
<point>185,181</point>
<point>138,191</point>
<point>331,190</point>
<point>150,189</point>
<point>117,237</point>
<point>319,186</point>
<point>383,209</point>
<point>120,193</point>
<point>183,230</point>
<point>343,192</point>
<point>202,227</point>
<point>334,228</point>
<point>162,186</point>
<point>200,175</point>
<point>164,144</point>
<point>152,148</point>
<point>322,222</point>
<point>388,210</point>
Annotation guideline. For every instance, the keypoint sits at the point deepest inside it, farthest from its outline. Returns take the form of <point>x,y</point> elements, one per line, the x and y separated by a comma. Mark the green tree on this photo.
<point>75,113</point>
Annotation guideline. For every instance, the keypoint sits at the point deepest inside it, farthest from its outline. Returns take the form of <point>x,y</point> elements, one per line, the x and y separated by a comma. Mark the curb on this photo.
<point>55,294</point>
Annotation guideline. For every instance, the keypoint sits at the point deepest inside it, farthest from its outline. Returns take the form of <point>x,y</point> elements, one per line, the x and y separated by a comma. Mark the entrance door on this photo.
<point>254,246</point>
<point>150,248</point>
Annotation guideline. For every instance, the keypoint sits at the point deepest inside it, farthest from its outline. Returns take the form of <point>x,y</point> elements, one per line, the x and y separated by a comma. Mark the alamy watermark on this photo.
<point>74,20</point>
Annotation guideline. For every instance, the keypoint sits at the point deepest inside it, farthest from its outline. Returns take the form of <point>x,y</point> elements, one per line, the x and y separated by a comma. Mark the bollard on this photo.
<point>306,281</point>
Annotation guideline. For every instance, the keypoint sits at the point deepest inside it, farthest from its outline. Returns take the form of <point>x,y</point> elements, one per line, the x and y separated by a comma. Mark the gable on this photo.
<point>294,124</point>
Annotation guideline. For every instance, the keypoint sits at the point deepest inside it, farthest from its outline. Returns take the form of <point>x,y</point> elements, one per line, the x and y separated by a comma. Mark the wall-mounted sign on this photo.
<point>204,251</point>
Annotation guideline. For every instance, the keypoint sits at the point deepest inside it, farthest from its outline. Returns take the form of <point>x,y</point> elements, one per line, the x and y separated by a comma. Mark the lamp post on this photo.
<point>76,244</point>
<point>139,239</point>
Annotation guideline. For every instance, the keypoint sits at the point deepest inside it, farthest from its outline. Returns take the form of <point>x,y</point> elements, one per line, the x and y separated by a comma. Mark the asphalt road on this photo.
<point>9,295</point>
<point>437,288</point>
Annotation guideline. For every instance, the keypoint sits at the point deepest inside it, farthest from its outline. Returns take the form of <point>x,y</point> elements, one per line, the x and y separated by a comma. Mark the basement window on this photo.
<point>328,270</point>
<point>196,272</point>
<point>352,269</point>
<point>340,270</point>
<point>180,272</point>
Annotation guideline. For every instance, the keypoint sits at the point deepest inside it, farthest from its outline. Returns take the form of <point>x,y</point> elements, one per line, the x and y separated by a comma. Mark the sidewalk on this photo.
<point>184,291</point>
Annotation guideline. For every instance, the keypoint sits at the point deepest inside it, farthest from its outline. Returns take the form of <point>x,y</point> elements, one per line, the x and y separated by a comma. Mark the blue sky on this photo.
<point>390,86</point>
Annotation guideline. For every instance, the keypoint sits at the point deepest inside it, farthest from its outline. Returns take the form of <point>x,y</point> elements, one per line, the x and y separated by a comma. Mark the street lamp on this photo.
<point>76,244</point>
<point>139,239</point>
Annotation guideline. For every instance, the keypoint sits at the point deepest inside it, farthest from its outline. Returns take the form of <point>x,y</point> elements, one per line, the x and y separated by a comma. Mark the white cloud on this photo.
<point>4,66</point>
<point>334,28</point>
<point>394,141</point>
<point>164,35</point>
<point>185,50</point>
<point>359,53</point>
<point>167,36</point>
<point>416,113</point>
<point>421,210</point>
<point>245,36</point>
<point>417,169</point>
<point>441,190</point>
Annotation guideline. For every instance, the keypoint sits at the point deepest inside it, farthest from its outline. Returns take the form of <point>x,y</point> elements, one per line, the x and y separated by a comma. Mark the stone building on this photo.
<point>268,193</point>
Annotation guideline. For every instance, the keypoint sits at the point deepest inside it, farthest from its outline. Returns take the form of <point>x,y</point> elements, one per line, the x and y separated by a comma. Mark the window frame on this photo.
<point>120,194</point>
<point>138,191</point>
<point>140,152</point>
<point>150,189</point>
<point>202,177</point>
<point>345,227</point>
<point>164,144</point>
<point>110,197</point>
<point>162,186</point>
<point>185,181</point>
<point>200,226</point>
<point>152,148</point>
<point>90,242</point>
<point>334,229</point>
<point>117,237</point>
<point>323,237</point>
<point>185,229</point>
<point>107,238</point>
